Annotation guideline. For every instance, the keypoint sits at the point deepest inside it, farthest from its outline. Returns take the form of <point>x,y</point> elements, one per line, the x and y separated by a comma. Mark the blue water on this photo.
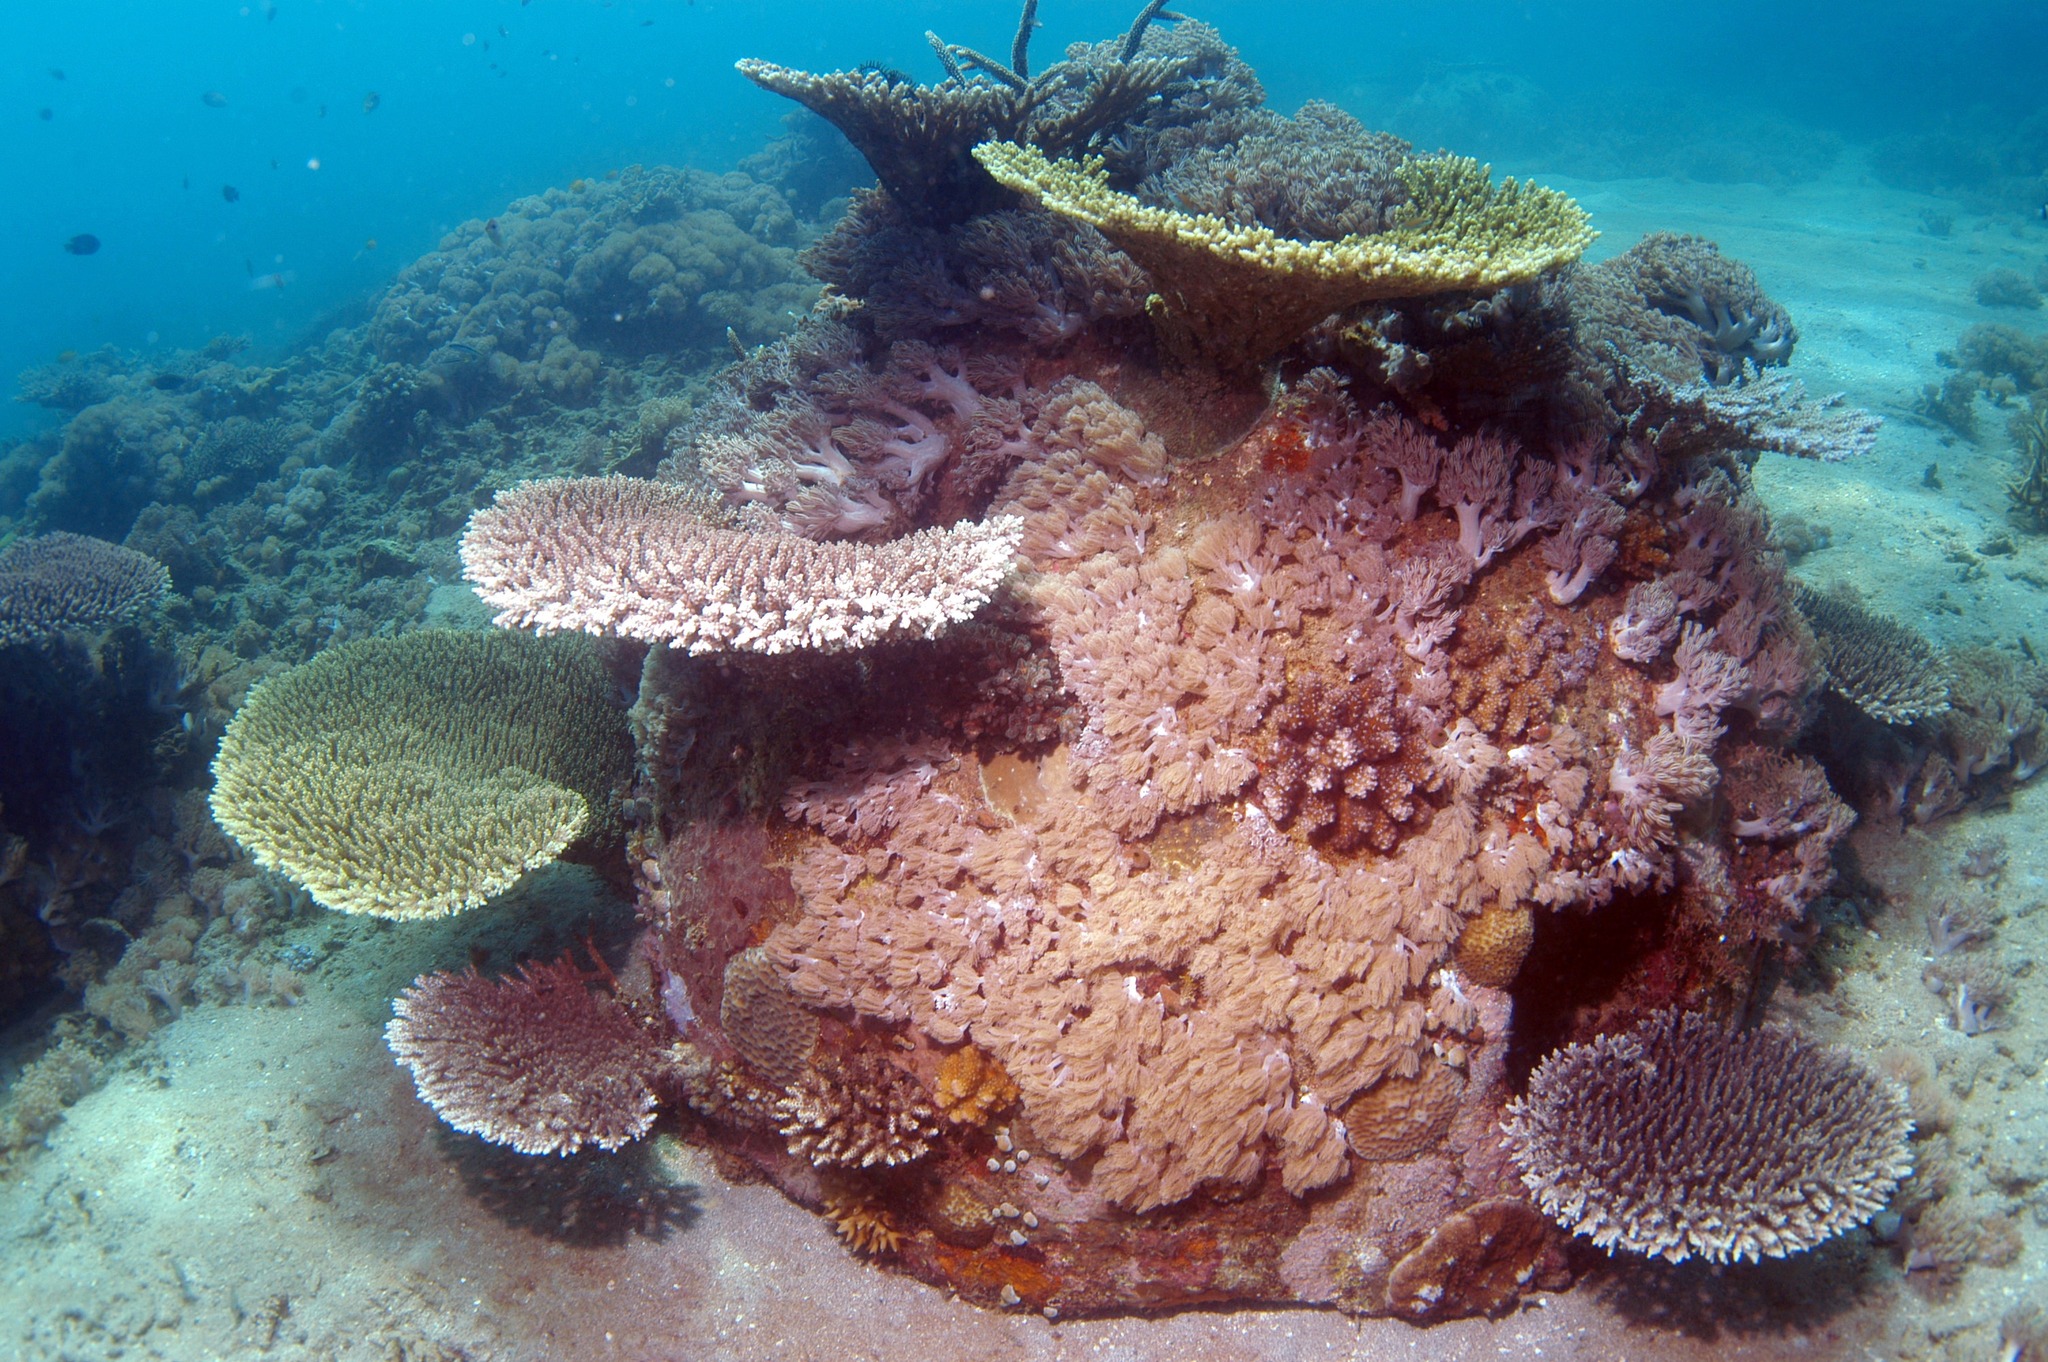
<point>481,103</point>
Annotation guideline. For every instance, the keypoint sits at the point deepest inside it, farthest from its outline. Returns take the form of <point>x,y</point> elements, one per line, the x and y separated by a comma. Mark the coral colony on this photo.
<point>1124,686</point>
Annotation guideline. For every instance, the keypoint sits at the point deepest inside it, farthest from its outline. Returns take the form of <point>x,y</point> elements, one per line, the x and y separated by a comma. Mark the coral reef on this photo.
<point>1683,1138</point>
<point>1111,793</point>
<point>651,260</point>
<point>418,776</point>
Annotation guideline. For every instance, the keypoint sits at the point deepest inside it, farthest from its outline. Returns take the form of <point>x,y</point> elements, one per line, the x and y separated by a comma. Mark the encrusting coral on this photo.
<point>1685,1138</point>
<point>418,776</point>
<point>1237,293</point>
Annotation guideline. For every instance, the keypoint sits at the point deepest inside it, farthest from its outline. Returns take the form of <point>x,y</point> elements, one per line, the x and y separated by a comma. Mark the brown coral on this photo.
<point>1875,663</point>
<point>538,1061</point>
<point>972,1086</point>
<point>1477,1262</point>
<point>762,1020</point>
<point>1400,1117</point>
<point>1495,943</point>
<point>863,1226</point>
<point>861,1112</point>
<point>1338,767</point>
<point>1683,1137</point>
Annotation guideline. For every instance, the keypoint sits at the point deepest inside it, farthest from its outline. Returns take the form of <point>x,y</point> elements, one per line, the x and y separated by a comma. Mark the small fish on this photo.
<point>578,185</point>
<point>323,111</point>
<point>491,231</point>
<point>371,101</point>
<point>371,244</point>
<point>230,193</point>
<point>56,73</point>
<point>46,114</point>
<point>214,99</point>
<point>185,183</point>
<point>85,243</point>
<point>67,357</point>
<point>504,32</point>
<point>270,281</point>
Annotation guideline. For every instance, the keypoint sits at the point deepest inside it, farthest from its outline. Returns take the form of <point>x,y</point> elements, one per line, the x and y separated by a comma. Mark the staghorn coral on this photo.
<point>630,558</point>
<point>420,775</point>
<point>1875,663</point>
<point>1238,293</point>
<point>1683,1138</point>
<point>539,1061</point>
<point>53,584</point>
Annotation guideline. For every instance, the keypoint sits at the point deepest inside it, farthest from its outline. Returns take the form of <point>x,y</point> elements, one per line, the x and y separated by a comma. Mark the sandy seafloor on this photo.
<point>261,1182</point>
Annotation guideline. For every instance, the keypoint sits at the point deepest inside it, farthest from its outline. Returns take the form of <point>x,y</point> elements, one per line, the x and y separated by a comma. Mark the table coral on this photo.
<point>1237,293</point>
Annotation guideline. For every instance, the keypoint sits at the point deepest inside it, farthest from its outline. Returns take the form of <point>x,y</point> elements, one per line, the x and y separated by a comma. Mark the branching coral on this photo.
<point>1237,293</point>
<point>859,1113</point>
<point>1683,1138</point>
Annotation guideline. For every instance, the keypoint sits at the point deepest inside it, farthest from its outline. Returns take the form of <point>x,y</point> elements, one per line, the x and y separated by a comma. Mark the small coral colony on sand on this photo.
<point>1132,690</point>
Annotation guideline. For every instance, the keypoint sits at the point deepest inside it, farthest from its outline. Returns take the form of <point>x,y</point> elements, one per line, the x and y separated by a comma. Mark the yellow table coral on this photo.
<point>417,776</point>
<point>1235,293</point>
